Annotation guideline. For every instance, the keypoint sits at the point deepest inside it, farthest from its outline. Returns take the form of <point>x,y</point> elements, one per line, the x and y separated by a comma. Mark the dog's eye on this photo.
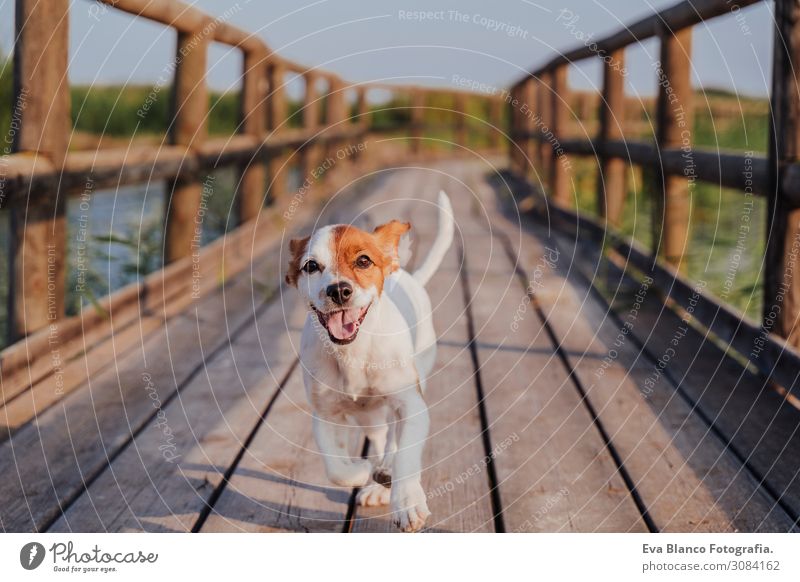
<point>363,262</point>
<point>310,267</point>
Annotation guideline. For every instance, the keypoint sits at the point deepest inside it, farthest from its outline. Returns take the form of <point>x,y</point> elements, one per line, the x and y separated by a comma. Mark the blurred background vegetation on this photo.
<point>124,248</point>
<point>722,120</point>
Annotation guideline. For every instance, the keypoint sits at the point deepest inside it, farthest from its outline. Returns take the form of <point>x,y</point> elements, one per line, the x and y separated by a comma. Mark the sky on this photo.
<point>485,41</point>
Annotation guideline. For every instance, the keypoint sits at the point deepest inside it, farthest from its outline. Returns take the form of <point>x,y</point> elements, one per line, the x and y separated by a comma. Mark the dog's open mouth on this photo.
<point>342,324</point>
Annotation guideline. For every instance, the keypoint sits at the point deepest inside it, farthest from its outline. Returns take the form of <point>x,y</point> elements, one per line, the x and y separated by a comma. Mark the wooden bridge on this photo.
<point>580,386</point>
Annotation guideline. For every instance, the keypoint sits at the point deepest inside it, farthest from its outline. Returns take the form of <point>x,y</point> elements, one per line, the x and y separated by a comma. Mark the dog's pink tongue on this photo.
<point>343,324</point>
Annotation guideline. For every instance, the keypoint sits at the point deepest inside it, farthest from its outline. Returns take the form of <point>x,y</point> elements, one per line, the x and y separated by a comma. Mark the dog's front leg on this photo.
<point>332,436</point>
<point>409,508</point>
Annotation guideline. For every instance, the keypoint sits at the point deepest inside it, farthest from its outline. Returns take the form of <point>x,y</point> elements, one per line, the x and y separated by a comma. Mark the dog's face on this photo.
<point>340,271</point>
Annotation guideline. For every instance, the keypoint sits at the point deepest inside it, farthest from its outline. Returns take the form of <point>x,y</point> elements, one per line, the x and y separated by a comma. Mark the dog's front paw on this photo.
<point>373,495</point>
<point>409,508</point>
<point>356,473</point>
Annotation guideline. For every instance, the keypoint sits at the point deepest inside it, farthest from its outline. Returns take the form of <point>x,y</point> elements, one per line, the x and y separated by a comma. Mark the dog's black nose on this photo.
<point>340,293</point>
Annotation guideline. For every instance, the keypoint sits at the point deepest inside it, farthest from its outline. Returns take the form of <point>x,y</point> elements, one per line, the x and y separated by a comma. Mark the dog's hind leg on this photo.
<point>333,436</point>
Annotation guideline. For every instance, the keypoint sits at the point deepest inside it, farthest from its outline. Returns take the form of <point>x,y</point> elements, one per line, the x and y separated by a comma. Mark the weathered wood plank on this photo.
<point>71,443</point>
<point>280,482</point>
<point>712,373</point>
<point>761,426</point>
<point>70,376</point>
<point>553,468</point>
<point>163,481</point>
<point>687,479</point>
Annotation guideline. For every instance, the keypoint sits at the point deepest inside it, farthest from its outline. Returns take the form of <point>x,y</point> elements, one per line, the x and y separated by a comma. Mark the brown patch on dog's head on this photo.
<point>360,257</point>
<point>297,248</point>
<point>388,238</point>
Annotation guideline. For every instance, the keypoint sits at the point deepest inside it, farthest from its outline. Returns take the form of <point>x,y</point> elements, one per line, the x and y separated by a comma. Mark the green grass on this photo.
<point>136,110</point>
<point>720,217</point>
<point>120,111</point>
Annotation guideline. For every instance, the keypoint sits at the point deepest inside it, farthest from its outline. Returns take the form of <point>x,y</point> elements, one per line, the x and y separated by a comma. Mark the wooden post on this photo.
<point>673,130</point>
<point>362,120</point>
<point>417,119</point>
<point>530,146</point>
<point>587,99</point>
<point>496,120</point>
<point>311,102</point>
<point>559,175</point>
<point>512,129</point>
<point>337,106</point>
<point>362,108</point>
<point>253,179</point>
<point>337,116</point>
<point>611,189</point>
<point>460,108</point>
<point>42,107</point>
<point>190,111</point>
<point>277,110</point>
<point>311,107</point>
<point>277,113</point>
<point>545,99</point>
<point>518,128</point>
<point>782,278</point>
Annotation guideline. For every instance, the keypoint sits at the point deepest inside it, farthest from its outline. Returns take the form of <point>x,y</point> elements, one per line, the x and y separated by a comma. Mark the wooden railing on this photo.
<point>676,160</point>
<point>42,171</point>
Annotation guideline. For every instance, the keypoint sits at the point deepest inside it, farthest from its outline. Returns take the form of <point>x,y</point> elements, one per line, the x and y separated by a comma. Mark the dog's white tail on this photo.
<point>444,238</point>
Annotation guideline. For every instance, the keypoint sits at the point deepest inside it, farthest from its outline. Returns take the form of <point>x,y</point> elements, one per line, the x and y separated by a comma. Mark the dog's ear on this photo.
<point>297,248</point>
<point>388,237</point>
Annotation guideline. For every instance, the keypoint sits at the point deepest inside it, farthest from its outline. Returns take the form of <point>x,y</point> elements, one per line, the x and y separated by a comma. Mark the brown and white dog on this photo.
<point>367,349</point>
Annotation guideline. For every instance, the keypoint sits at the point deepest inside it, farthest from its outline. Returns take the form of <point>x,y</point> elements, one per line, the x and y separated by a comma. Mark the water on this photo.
<point>115,237</point>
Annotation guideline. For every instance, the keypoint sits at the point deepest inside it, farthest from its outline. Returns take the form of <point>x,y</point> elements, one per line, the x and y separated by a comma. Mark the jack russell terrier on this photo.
<point>367,348</point>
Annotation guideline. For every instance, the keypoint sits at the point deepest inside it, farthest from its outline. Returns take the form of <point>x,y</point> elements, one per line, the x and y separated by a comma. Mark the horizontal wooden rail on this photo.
<point>187,19</point>
<point>683,15</point>
<point>34,177</point>
<point>31,177</point>
<point>723,168</point>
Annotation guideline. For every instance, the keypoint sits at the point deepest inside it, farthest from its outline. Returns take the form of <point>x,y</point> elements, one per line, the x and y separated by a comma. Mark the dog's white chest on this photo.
<point>335,401</point>
<point>354,380</point>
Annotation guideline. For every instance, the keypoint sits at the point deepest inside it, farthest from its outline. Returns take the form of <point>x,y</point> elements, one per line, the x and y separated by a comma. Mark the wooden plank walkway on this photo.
<point>204,426</point>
